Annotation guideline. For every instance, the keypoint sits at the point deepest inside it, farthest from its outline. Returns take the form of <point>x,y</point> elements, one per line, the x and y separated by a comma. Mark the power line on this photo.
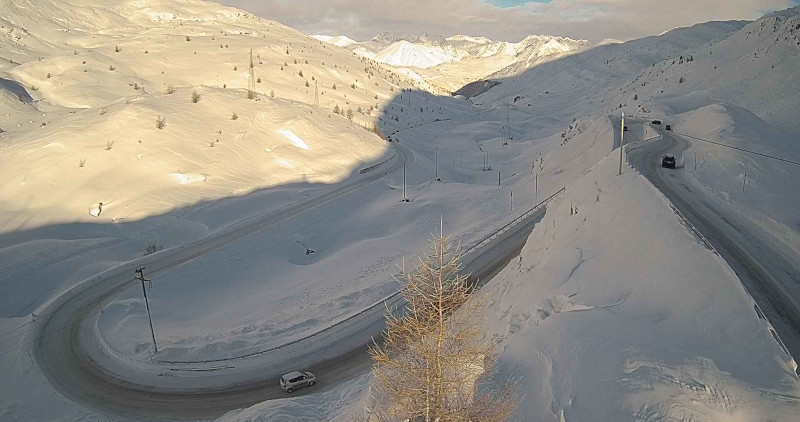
<point>785,160</point>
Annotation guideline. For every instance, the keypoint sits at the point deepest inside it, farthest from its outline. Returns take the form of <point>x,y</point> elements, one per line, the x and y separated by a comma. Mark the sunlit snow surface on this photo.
<point>294,139</point>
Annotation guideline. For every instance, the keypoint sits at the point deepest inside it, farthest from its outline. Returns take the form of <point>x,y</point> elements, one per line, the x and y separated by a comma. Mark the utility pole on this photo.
<point>621,141</point>
<point>140,277</point>
<point>498,177</point>
<point>512,201</point>
<point>316,93</point>
<point>744,181</point>
<point>404,182</point>
<point>251,82</point>
<point>536,195</point>
<point>507,131</point>
<point>436,152</point>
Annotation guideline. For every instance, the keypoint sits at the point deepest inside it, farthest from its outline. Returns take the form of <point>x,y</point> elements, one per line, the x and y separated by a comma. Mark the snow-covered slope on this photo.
<point>616,311</point>
<point>754,65</point>
<point>592,77</point>
<point>102,73</point>
<point>734,83</point>
<point>405,54</point>
<point>340,40</point>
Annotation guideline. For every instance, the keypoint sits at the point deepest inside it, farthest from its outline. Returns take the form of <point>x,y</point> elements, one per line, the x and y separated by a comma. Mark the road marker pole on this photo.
<point>621,142</point>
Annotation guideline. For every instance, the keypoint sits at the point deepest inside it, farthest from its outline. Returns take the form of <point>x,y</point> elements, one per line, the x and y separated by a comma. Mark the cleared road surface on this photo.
<point>65,352</point>
<point>772,278</point>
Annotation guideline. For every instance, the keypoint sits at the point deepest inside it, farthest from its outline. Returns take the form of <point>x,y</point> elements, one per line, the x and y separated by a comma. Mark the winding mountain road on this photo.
<point>66,350</point>
<point>767,273</point>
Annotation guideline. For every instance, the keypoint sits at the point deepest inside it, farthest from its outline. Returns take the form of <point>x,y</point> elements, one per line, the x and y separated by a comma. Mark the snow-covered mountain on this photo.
<point>341,40</point>
<point>425,51</point>
<point>449,63</point>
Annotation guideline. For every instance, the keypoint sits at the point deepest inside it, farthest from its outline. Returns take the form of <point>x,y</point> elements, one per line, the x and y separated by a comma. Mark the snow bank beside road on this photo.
<point>616,312</point>
<point>336,405</point>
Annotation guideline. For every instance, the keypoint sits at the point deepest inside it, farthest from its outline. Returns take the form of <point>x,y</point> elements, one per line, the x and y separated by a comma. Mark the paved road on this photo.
<point>65,352</point>
<point>62,357</point>
<point>771,278</point>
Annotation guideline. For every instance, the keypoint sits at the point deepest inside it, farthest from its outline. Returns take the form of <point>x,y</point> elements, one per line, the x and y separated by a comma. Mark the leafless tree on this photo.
<point>434,363</point>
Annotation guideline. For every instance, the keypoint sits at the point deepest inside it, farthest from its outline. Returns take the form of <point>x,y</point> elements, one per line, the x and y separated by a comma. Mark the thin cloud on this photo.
<point>587,19</point>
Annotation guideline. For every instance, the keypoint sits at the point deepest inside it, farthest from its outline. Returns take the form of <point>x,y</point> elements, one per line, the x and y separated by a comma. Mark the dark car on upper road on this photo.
<point>668,161</point>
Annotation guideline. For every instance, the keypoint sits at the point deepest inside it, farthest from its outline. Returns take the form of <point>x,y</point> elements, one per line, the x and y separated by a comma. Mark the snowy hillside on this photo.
<point>735,83</point>
<point>101,75</point>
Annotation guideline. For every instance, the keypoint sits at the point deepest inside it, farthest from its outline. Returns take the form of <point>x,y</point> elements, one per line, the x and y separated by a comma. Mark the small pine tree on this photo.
<point>300,73</point>
<point>195,97</point>
<point>117,49</point>
<point>234,116</point>
<point>336,109</point>
<point>161,122</point>
<point>682,80</point>
<point>272,94</point>
<point>307,85</point>
<point>350,113</point>
<point>334,86</point>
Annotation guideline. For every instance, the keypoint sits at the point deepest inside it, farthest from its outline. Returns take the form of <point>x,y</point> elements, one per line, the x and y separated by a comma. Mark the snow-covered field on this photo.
<point>613,311</point>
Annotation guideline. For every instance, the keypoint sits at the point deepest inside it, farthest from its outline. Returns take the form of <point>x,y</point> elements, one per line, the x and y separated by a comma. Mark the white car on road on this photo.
<point>296,379</point>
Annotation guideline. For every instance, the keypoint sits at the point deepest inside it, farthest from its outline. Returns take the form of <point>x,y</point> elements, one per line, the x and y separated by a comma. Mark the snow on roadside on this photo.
<point>338,404</point>
<point>770,199</point>
<point>614,311</point>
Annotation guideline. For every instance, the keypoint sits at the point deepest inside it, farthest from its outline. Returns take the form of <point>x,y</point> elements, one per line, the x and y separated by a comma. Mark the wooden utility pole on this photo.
<point>139,276</point>
<point>251,82</point>
<point>621,142</point>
